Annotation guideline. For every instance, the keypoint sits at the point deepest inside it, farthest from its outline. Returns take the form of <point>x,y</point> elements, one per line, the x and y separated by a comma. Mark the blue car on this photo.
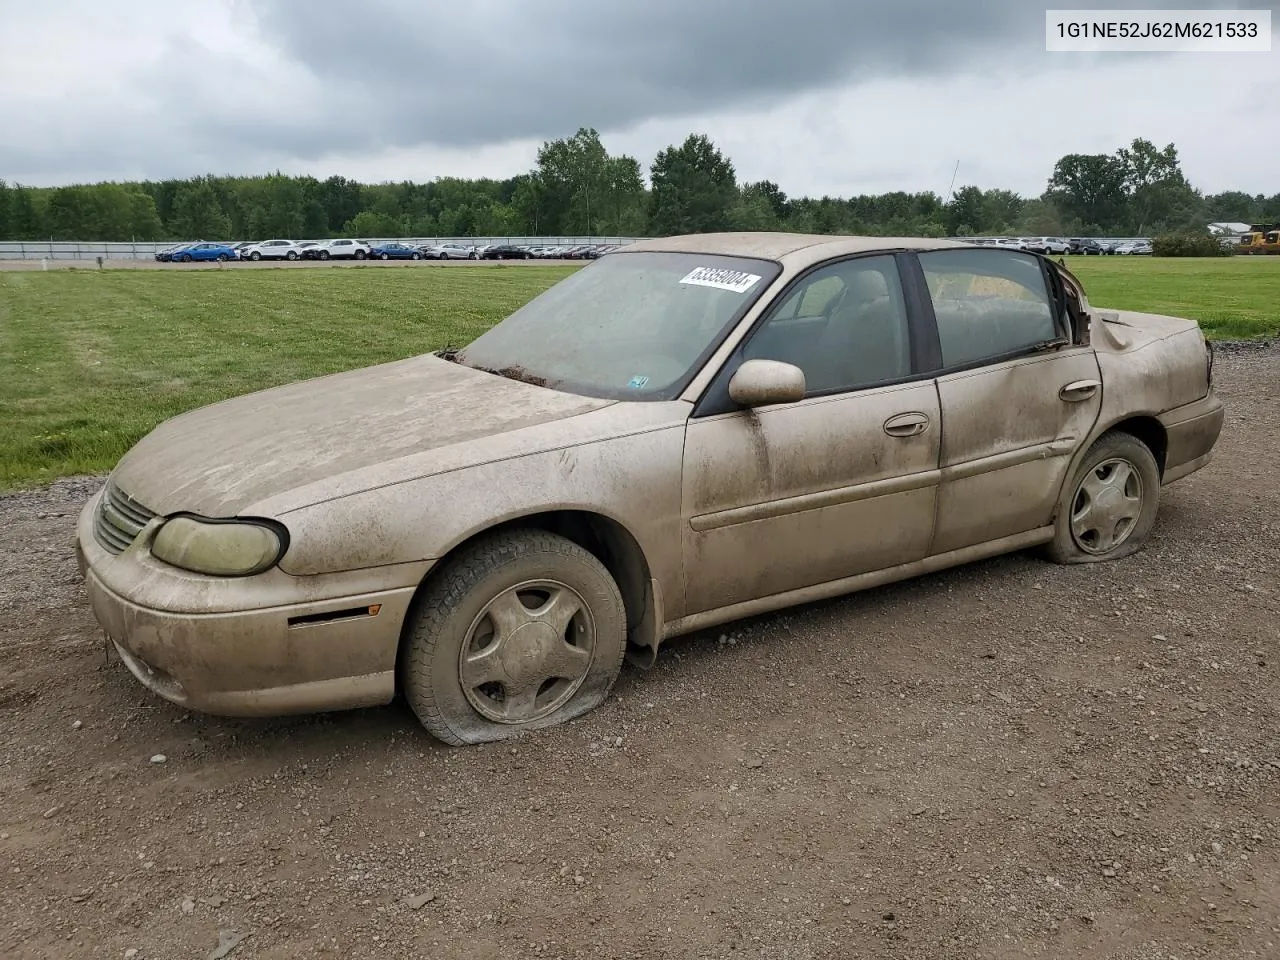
<point>395,251</point>
<point>203,251</point>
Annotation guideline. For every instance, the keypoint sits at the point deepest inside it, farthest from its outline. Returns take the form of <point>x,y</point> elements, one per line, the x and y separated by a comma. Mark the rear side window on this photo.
<point>989,303</point>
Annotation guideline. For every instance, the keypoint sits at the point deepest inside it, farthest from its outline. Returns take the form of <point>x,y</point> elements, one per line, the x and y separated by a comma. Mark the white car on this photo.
<point>450,251</point>
<point>1011,243</point>
<point>272,250</point>
<point>344,250</point>
<point>1046,245</point>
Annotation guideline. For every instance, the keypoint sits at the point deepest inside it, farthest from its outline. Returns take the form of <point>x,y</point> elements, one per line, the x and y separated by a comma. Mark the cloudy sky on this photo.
<point>823,96</point>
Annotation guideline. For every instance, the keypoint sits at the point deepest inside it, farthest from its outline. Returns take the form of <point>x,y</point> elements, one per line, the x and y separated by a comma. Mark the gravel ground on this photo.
<point>1012,759</point>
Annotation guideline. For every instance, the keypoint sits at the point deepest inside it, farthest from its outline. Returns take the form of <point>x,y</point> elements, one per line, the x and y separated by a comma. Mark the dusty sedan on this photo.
<point>685,432</point>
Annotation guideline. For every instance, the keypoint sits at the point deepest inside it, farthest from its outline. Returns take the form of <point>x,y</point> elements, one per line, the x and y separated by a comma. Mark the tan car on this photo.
<point>685,432</point>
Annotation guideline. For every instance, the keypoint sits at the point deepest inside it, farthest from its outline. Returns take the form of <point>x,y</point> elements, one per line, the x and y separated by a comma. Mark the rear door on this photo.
<point>1017,398</point>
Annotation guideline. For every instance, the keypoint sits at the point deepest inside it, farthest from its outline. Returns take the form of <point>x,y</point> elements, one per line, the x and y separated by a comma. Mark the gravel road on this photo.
<point>1012,759</point>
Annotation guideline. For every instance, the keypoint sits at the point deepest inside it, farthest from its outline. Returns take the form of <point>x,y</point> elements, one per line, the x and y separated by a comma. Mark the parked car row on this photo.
<point>347,249</point>
<point>1076,246</point>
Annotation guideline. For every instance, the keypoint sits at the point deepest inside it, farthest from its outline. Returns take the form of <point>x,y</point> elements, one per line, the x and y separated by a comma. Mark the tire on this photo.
<point>1087,528</point>
<point>255,256</point>
<point>473,256</point>
<point>416,256</point>
<point>324,254</point>
<point>385,256</point>
<point>360,254</point>
<point>291,255</point>
<point>185,258</point>
<point>511,568</point>
<point>223,258</point>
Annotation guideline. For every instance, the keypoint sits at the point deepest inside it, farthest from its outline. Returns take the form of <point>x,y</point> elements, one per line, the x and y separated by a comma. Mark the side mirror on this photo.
<point>758,383</point>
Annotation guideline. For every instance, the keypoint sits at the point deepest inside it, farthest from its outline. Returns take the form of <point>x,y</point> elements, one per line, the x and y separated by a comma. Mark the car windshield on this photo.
<point>636,326</point>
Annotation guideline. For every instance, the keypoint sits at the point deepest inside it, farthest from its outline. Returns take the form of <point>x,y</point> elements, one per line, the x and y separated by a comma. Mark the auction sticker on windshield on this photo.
<point>721,279</point>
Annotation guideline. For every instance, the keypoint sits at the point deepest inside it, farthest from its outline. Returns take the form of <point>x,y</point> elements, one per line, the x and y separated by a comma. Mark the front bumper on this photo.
<point>1192,430</point>
<point>254,646</point>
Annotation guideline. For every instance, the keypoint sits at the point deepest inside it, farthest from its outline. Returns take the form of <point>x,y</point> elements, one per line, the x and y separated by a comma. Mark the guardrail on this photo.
<point>89,250</point>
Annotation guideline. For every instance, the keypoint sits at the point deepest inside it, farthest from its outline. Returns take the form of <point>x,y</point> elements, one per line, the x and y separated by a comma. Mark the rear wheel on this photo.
<point>185,258</point>
<point>1107,510</point>
<point>324,254</point>
<point>474,256</point>
<point>523,629</point>
<point>223,258</point>
<point>360,254</point>
<point>386,256</point>
<point>416,256</point>
<point>255,255</point>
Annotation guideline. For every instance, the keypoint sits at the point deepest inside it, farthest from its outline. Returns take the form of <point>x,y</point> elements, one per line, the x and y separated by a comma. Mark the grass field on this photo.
<point>90,361</point>
<point>1233,298</point>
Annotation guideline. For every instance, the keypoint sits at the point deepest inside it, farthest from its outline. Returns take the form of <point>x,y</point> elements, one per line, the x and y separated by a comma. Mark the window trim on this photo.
<point>929,318</point>
<point>714,399</point>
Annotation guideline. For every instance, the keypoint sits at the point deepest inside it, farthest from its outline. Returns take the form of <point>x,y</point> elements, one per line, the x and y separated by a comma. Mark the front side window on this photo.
<point>845,325</point>
<point>635,326</point>
<point>989,304</point>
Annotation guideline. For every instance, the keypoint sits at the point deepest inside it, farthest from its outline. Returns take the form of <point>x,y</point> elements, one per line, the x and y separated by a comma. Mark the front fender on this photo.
<point>633,480</point>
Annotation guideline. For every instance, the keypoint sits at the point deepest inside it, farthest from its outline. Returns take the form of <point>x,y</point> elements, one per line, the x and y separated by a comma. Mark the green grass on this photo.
<point>1232,298</point>
<point>90,361</point>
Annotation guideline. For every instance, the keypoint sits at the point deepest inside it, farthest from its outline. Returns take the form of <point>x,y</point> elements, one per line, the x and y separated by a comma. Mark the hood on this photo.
<point>220,459</point>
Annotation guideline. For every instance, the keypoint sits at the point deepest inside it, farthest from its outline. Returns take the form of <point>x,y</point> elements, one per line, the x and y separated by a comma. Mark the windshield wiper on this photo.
<point>514,372</point>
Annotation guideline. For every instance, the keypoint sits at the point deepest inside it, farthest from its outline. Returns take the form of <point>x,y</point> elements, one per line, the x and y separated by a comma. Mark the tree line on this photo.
<point>578,188</point>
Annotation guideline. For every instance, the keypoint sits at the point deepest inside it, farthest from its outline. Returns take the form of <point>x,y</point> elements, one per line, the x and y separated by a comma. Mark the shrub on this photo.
<point>1189,245</point>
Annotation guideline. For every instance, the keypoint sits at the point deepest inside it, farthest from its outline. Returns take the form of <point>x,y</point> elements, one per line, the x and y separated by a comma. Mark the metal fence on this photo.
<point>70,250</point>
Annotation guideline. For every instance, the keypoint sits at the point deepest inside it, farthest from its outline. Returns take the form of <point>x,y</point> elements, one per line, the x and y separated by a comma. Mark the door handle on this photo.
<point>1079,390</point>
<point>906,425</point>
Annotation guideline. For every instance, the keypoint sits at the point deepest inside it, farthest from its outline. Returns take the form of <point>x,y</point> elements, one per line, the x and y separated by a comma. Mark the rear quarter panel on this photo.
<point>1150,365</point>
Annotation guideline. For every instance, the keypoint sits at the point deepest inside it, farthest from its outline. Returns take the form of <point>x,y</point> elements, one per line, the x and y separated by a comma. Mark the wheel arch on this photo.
<point>1150,431</point>
<point>609,541</point>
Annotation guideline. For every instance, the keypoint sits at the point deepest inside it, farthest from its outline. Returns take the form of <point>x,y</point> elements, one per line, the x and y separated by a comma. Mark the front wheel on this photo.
<point>223,258</point>
<point>416,256</point>
<point>1109,506</point>
<point>474,256</point>
<point>324,254</point>
<point>185,258</point>
<point>360,254</point>
<point>255,256</point>
<point>523,629</point>
<point>291,255</point>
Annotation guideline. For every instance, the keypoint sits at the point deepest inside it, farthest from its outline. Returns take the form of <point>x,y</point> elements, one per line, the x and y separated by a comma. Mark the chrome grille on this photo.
<point>119,519</point>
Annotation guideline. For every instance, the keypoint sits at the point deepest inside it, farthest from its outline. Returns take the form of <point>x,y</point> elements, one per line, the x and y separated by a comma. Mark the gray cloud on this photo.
<point>242,86</point>
<point>464,74</point>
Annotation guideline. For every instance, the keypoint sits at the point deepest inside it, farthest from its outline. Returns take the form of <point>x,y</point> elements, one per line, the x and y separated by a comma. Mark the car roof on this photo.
<point>797,249</point>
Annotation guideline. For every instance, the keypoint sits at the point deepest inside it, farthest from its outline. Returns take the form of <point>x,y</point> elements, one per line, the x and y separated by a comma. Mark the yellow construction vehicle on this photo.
<point>1261,238</point>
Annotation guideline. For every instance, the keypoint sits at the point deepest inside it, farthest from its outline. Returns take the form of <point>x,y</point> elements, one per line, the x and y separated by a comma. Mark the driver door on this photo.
<point>840,483</point>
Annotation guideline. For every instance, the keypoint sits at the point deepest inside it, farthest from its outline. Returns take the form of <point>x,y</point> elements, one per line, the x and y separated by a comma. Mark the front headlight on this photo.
<point>221,548</point>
